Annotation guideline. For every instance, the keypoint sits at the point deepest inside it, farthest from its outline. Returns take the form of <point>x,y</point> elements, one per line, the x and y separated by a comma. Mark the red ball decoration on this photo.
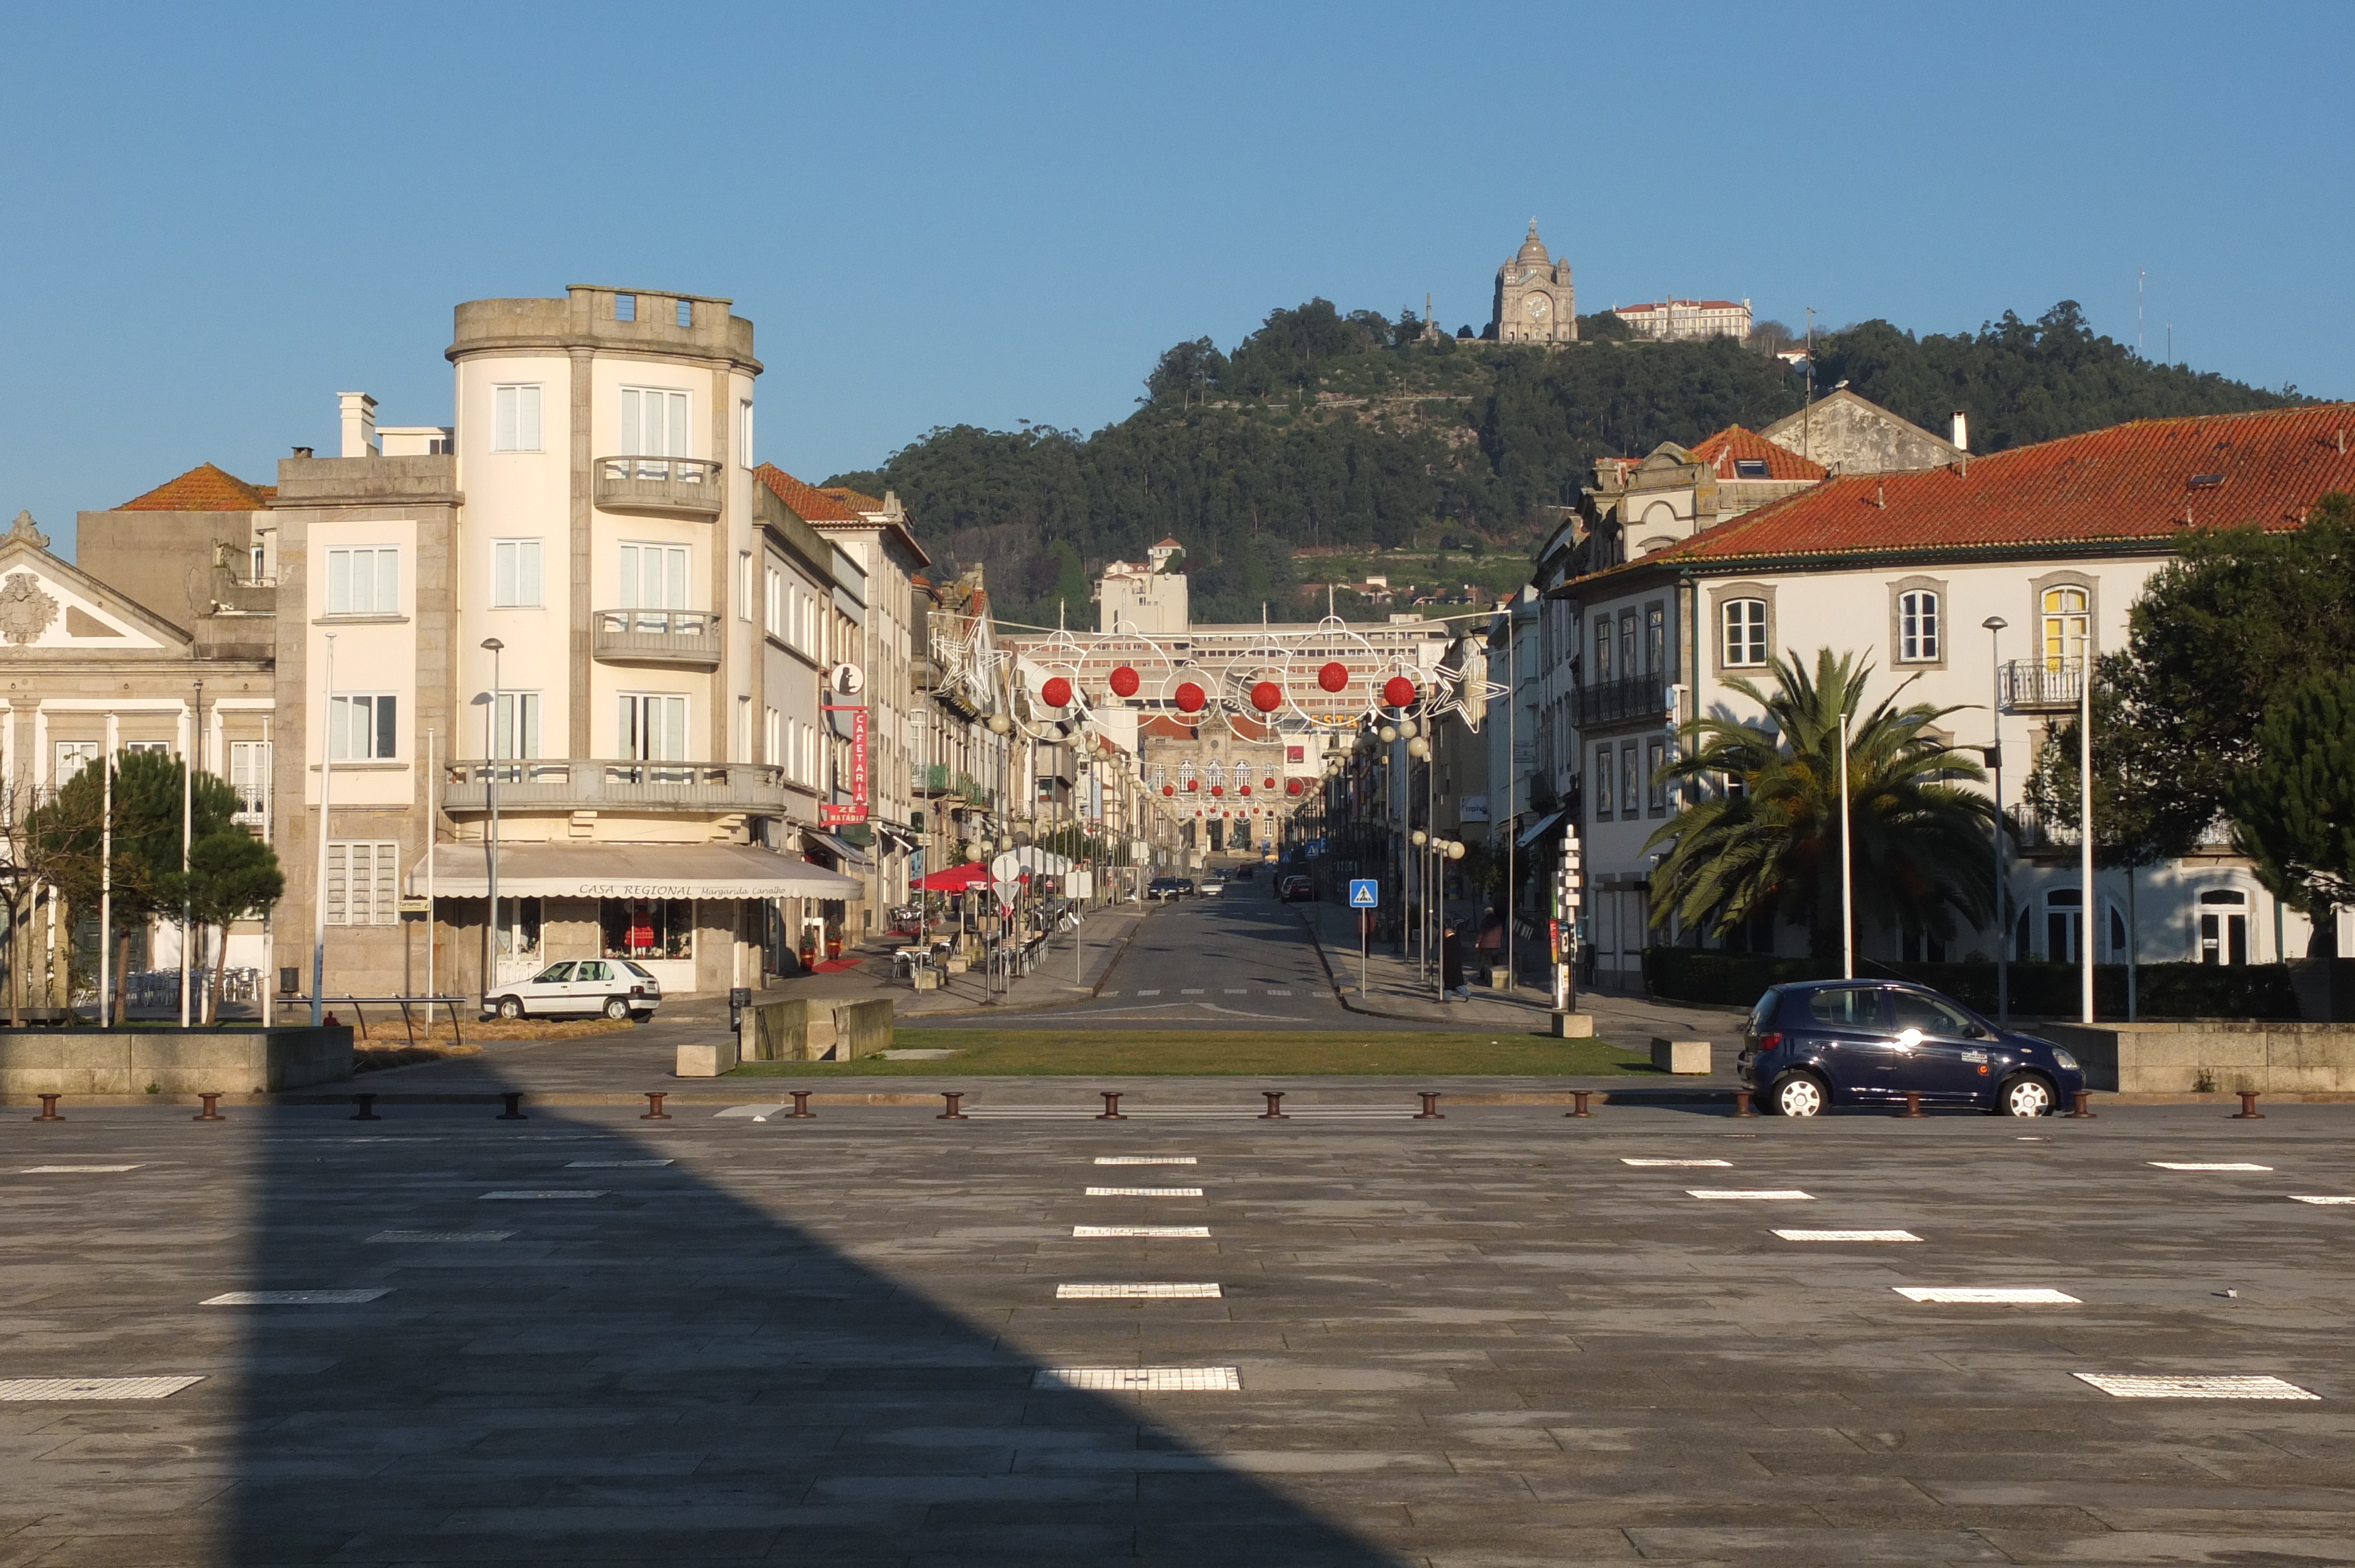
<point>1124,682</point>
<point>1269,782</point>
<point>1169,789</point>
<point>1057,691</point>
<point>1193,783</point>
<point>1398,692</point>
<point>1191,698</point>
<point>1291,786</point>
<point>1218,788</point>
<point>1242,789</point>
<point>1267,696</point>
<point>1333,676</point>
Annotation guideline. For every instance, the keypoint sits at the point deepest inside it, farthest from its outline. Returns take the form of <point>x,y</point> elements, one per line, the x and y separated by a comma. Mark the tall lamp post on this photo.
<point>1848,858</point>
<point>491,798</point>
<point>1995,625</point>
<point>327,791</point>
<point>2090,908</point>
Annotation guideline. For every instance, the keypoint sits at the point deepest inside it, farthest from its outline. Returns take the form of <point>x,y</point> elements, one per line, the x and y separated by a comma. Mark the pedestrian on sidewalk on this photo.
<point>1451,964</point>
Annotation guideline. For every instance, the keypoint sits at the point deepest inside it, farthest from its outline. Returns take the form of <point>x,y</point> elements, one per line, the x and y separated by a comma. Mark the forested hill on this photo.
<point>1325,429</point>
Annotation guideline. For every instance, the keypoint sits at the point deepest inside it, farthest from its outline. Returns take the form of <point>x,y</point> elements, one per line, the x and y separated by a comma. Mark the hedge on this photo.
<point>2038,990</point>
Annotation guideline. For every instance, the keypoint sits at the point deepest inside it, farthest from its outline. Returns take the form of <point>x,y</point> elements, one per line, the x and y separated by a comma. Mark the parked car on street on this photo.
<point>1164,887</point>
<point>1297,889</point>
<point>1818,1043</point>
<point>1213,885</point>
<point>1186,888</point>
<point>615,987</point>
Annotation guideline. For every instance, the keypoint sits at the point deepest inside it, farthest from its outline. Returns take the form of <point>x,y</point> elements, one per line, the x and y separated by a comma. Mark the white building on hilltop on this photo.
<point>1672,319</point>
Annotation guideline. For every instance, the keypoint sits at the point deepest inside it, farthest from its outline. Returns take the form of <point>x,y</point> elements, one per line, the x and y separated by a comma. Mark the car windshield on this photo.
<point>1918,1010</point>
<point>1761,1017</point>
<point>638,970</point>
<point>554,974</point>
<point>1846,1007</point>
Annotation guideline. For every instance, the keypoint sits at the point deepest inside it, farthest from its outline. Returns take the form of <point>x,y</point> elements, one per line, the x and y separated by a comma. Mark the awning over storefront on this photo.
<point>850,854</point>
<point>1536,829</point>
<point>955,878</point>
<point>630,871</point>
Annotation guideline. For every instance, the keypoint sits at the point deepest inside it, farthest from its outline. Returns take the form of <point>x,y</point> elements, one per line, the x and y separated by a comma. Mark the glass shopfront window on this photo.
<point>647,927</point>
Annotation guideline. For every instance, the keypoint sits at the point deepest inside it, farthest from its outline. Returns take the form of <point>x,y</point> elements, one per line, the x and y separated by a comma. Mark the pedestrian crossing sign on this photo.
<point>1365,893</point>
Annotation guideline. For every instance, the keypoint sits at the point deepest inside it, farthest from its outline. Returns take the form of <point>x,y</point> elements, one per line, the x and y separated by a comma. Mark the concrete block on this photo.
<point>1680,1056</point>
<point>777,1031</point>
<point>928,979</point>
<point>172,1062</point>
<point>707,1058</point>
<point>1574,1026</point>
<point>861,1028</point>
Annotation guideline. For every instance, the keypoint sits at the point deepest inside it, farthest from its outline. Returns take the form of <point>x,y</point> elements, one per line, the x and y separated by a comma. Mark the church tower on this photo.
<point>1535,301</point>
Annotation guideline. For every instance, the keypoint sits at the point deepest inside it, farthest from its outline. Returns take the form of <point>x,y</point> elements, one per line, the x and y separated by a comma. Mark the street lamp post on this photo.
<point>188,820</point>
<point>327,795</point>
<point>1995,625</point>
<point>2090,907</point>
<point>1848,858</point>
<point>491,798</point>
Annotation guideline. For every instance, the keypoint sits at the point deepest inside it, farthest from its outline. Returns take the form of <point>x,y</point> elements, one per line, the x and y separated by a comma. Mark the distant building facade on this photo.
<point>1671,320</point>
<point>1535,301</point>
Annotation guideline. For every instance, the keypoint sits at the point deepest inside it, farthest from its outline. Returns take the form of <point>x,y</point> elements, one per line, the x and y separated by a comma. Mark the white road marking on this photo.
<point>1966,1296</point>
<point>1145,1191</point>
<point>1848,1235</point>
<point>1190,991</point>
<point>2208,1165</point>
<point>757,1113</point>
<point>2136,1387</point>
<point>1145,1159</point>
<point>68,1169</point>
<point>1092,1231</point>
<point>1750,1194</point>
<point>1150,1290</point>
<point>293,1297</point>
<point>2305,1198</point>
<point>1141,1380</point>
<point>1154,991</point>
<point>63,1388</point>
<point>1626,1159</point>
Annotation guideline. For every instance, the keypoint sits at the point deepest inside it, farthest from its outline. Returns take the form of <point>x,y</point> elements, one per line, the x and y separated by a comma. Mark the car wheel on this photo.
<point>510,1007</point>
<point>2024,1096</point>
<point>1799,1096</point>
<point>617,1007</point>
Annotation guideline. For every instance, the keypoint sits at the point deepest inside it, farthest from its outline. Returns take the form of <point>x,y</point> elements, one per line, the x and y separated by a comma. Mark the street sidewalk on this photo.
<point>1394,989</point>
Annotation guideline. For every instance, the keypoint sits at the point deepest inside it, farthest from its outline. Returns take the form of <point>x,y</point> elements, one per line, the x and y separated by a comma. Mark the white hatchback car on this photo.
<point>615,987</point>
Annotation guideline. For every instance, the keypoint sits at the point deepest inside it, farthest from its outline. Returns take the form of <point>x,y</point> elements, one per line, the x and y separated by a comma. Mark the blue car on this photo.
<point>1826,1042</point>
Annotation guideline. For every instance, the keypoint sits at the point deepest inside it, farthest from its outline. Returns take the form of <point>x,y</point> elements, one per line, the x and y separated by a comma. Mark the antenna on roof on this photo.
<point>2140,272</point>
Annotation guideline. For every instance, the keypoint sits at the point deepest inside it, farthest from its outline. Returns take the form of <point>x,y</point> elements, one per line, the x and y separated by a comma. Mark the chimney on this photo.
<point>1962,436</point>
<point>358,410</point>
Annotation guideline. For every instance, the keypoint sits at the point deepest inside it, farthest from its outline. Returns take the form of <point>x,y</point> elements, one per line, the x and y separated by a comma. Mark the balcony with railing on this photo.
<point>1630,700</point>
<point>2037,685</point>
<point>682,637</point>
<point>932,779</point>
<point>677,487</point>
<point>551,784</point>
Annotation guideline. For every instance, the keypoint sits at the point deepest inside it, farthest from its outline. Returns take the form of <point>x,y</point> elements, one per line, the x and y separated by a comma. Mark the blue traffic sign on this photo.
<point>1365,893</point>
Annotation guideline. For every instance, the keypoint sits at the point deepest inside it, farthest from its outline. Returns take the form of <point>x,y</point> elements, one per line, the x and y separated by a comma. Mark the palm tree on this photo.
<point>1771,847</point>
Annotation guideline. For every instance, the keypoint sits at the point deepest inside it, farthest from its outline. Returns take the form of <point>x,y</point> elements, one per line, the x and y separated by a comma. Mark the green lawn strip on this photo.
<point>1053,1052</point>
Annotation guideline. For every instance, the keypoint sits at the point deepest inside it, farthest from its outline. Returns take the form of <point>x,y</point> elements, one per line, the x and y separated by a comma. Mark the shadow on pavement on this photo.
<point>674,1372</point>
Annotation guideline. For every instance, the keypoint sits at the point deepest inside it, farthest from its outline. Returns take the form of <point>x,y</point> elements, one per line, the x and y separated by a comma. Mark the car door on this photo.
<point>1942,1054</point>
<point>1848,1028</point>
<point>544,992</point>
<point>593,982</point>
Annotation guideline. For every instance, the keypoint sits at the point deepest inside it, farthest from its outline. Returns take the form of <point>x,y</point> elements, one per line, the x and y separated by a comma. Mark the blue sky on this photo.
<point>219,218</point>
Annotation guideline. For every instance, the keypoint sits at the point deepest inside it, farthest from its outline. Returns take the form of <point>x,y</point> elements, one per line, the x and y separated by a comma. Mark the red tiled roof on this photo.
<point>203,488</point>
<point>854,499</point>
<point>2132,485</point>
<point>1721,450</point>
<point>809,503</point>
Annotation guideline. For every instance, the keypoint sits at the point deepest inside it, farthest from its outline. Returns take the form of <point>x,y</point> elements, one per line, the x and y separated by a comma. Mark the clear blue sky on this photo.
<point>221,216</point>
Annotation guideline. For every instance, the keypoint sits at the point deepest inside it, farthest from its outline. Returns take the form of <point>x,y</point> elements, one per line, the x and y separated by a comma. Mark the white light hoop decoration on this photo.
<point>1059,655</point>
<point>1332,639</point>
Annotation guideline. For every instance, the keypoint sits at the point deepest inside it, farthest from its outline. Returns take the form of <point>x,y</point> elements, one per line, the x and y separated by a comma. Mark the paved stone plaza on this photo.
<point>1488,1339</point>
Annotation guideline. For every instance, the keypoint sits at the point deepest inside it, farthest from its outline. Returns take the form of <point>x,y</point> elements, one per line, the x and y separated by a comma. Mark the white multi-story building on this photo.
<point>1671,320</point>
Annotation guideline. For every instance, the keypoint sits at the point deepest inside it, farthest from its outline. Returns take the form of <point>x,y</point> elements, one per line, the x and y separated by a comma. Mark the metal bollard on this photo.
<point>2248,1111</point>
<point>654,1106</point>
<point>955,1098</point>
<point>367,1108</point>
<point>2081,1107</point>
<point>212,1108</point>
<point>1913,1104</point>
<point>49,1110</point>
<point>1578,1099</point>
<point>1274,1112</point>
<point>800,1111</point>
<point>1112,1106</point>
<point>514,1112</point>
<point>1741,1104</point>
<point>1430,1111</point>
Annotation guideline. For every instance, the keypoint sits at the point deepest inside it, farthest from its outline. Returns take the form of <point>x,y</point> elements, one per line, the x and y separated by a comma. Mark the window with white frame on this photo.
<point>1603,772</point>
<point>1631,802</point>
<point>743,585</point>
<point>248,774</point>
<point>363,881</point>
<point>1917,627</point>
<point>774,604</point>
<point>363,580</point>
<point>773,737</point>
<point>653,576</point>
<point>744,433</point>
<point>159,748</point>
<point>1602,671</point>
<point>1655,758</point>
<point>515,418</point>
<point>363,727</point>
<point>515,573</point>
<point>72,756</point>
<point>1743,623</point>
<point>653,726</point>
<point>654,422</point>
<point>517,723</point>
